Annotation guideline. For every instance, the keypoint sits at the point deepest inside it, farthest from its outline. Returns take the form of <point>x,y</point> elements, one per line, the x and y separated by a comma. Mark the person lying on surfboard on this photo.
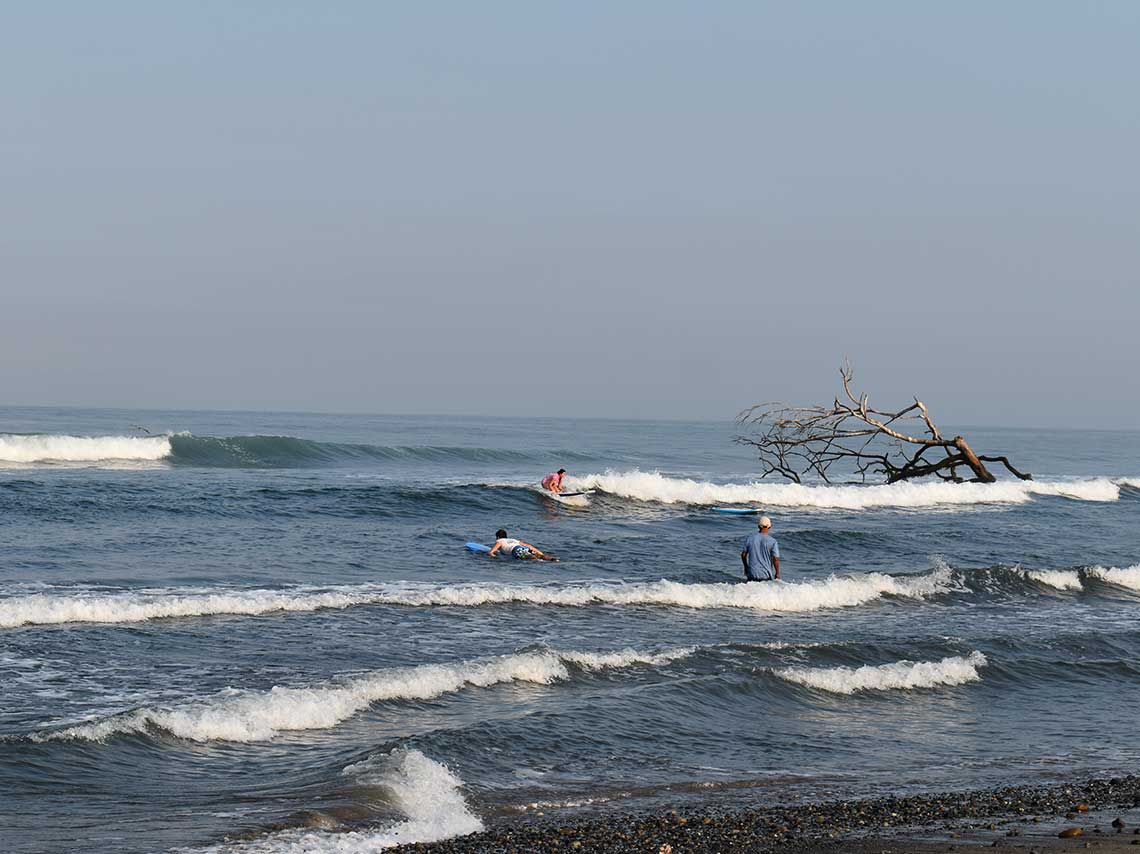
<point>553,482</point>
<point>517,549</point>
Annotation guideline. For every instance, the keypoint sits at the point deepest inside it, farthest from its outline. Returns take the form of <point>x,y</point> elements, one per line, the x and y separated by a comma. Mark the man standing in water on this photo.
<point>553,482</point>
<point>761,554</point>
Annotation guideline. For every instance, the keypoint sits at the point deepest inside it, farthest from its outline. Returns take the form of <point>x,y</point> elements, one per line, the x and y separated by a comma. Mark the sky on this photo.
<point>644,209</point>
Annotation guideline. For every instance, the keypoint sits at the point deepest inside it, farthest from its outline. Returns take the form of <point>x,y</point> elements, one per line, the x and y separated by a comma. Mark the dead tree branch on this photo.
<point>853,437</point>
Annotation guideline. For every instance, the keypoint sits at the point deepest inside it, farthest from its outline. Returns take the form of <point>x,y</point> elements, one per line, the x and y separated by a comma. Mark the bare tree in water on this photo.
<point>794,441</point>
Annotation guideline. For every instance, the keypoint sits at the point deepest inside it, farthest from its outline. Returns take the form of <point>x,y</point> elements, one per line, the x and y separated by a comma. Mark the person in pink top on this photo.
<point>553,482</point>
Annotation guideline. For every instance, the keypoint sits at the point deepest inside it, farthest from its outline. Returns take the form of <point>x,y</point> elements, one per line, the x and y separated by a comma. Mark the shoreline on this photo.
<point>1021,818</point>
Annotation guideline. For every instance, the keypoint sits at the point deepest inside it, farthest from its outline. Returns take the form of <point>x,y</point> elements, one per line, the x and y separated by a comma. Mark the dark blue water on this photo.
<point>262,631</point>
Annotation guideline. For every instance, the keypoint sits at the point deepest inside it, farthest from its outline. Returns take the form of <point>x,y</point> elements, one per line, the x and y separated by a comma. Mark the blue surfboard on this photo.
<point>738,511</point>
<point>478,548</point>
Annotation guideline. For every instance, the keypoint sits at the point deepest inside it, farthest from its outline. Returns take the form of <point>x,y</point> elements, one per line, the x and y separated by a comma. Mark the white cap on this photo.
<point>764,522</point>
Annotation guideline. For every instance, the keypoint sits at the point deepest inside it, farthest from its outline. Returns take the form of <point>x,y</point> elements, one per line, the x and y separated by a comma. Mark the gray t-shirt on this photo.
<point>761,549</point>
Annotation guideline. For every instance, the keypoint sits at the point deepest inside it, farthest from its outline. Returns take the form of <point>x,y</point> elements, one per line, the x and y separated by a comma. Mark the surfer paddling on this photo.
<point>517,549</point>
<point>761,554</point>
<point>553,482</point>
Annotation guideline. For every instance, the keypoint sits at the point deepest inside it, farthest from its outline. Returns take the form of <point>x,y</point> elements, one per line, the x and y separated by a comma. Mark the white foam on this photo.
<point>904,675</point>
<point>42,448</point>
<point>427,792</point>
<point>832,592</point>
<point>140,606</point>
<point>1133,482</point>
<point>653,486</point>
<point>44,609</point>
<point>1128,577</point>
<point>1062,579</point>
<point>245,716</point>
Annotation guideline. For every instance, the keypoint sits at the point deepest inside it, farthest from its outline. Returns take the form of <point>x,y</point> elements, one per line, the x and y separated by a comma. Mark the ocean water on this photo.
<point>261,632</point>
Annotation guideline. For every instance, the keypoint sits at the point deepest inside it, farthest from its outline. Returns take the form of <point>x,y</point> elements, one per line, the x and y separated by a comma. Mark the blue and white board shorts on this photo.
<point>519,552</point>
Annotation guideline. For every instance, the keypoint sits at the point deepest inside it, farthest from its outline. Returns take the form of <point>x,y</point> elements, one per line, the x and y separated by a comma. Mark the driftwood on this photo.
<point>796,441</point>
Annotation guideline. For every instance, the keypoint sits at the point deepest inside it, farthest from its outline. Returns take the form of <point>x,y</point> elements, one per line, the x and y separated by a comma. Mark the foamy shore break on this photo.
<point>1014,818</point>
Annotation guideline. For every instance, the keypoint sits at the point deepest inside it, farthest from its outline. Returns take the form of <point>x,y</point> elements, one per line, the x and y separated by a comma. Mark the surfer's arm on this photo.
<point>776,564</point>
<point>744,560</point>
<point>495,548</point>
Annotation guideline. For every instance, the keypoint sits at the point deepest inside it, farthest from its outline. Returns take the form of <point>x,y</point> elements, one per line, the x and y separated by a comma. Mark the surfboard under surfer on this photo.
<point>518,549</point>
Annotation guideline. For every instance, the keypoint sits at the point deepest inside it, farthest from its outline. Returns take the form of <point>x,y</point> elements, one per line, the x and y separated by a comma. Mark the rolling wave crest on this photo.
<point>43,448</point>
<point>242,451</point>
<point>140,606</point>
<point>653,486</point>
<point>245,716</point>
<point>1128,577</point>
<point>899,675</point>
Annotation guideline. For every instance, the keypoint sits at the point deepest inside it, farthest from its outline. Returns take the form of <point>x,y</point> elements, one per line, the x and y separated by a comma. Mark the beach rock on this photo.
<point>1081,807</point>
<point>350,812</point>
<point>1070,833</point>
<point>315,819</point>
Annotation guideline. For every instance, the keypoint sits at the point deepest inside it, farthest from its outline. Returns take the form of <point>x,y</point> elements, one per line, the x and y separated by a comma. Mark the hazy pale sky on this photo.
<point>635,209</point>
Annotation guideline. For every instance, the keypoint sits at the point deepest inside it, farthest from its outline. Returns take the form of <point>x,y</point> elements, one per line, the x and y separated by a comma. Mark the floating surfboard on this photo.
<point>480,549</point>
<point>738,511</point>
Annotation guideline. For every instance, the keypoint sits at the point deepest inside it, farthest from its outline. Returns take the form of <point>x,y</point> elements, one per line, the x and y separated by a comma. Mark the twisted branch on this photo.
<point>794,441</point>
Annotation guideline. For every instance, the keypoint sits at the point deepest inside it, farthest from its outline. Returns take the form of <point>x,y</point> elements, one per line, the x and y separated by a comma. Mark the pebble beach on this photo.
<point>1102,814</point>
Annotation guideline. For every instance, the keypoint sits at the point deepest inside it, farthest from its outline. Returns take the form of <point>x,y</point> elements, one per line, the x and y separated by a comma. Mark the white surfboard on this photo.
<point>571,499</point>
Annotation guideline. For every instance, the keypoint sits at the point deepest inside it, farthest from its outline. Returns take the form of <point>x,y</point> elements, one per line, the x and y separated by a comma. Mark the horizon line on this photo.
<point>496,417</point>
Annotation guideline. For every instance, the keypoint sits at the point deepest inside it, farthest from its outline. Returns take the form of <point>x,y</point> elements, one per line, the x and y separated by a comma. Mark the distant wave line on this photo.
<point>242,451</point>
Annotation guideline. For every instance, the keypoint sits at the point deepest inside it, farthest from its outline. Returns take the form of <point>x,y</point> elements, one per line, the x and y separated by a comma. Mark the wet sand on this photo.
<point>1018,818</point>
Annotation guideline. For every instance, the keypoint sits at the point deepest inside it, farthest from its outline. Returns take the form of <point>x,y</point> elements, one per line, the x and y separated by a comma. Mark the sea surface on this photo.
<point>258,632</point>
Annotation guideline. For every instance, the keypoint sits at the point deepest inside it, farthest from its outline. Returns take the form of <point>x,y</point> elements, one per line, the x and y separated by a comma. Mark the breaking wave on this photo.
<point>653,486</point>
<point>427,792</point>
<point>140,606</point>
<point>243,451</point>
<point>288,451</point>
<point>1128,577</point>
<point>904,675</point>
<point>245,716</point>
<point>1061,579</point>
<point>44,448</point>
